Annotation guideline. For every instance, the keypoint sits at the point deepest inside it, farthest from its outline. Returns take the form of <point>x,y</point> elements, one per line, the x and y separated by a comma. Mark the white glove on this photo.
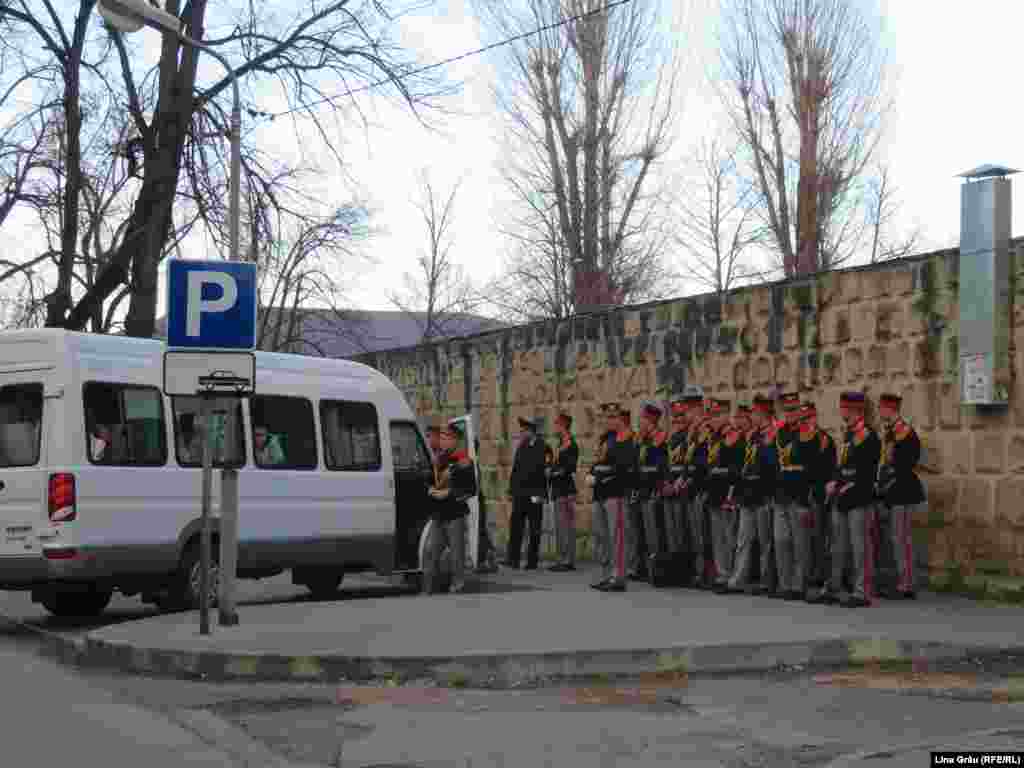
<point>536,499</point>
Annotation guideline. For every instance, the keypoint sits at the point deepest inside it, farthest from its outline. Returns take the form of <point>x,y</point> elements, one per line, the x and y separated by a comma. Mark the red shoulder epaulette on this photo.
<point>623,436</point>
<point>660,438</point>
<point>902,430</point>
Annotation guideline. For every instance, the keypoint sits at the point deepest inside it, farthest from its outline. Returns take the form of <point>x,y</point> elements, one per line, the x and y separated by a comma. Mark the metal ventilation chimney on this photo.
<point>985,233</point>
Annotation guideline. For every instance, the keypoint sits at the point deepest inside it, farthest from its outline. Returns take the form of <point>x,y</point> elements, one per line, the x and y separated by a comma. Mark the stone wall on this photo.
<point>892,326</point>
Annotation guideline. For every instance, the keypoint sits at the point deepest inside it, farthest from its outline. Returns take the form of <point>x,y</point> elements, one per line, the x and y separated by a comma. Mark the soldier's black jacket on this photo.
<point>651,464</point>
<point>898,484</point>
<point>456,473</point>
<point>799,457</point>
<point>858,464</point>
<point>826,468</point>
<point>725,462</point>
<point>760,468</point>
<point>613,466</point>
<point>677,444</point>
<point>563,472</point>
<point>697,460</point>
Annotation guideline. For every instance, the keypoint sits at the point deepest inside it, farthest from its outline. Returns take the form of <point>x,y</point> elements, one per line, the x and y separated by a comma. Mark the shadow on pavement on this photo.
<point>23,623</point>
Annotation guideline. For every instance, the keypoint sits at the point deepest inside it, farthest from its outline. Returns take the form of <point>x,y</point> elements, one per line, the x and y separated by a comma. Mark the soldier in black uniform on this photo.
<point>798,458</point>
<point>618,463</point>
<point>454,484</point>
<point>725,462</point>
<point>757,483</point>
<point>820,534</point>
<point>854,492</point>
<point>599,477</point>
<point>562,477</point>
<point>651,471</point>
<point>672,491</point>
<point>899,488</point>
<point>695,488</point>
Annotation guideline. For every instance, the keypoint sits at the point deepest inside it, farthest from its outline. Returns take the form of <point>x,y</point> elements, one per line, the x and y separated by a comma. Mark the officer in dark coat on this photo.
<point>528,487</point>
<point>854,509</point>
<point>900,491</point>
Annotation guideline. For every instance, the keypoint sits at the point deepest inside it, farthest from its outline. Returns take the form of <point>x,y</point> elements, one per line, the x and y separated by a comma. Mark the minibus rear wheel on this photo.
<point>76,604</point>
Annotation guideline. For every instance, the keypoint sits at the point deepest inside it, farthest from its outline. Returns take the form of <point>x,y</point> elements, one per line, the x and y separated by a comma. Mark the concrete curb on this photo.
<point>502,670</point>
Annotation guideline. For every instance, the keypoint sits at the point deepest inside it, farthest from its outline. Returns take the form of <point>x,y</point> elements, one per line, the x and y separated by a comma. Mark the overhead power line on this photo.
<point>437,65</point>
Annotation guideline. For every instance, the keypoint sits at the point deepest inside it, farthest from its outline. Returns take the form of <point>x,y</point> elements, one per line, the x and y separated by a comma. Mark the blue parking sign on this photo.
<point>211,304</point>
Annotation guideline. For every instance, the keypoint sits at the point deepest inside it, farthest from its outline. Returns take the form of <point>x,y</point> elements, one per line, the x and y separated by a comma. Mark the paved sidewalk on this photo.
<point>527,626</point>
<point>54,717</point>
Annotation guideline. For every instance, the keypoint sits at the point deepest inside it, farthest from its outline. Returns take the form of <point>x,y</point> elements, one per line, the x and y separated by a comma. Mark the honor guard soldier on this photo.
<point>600,474</point>
<point>899,488</point>
<point>563,491</point>
<point>454,484</point>
<point>757,483</point>
<point>820,534</point>
<point>672,493</point>
<point>725,462</point>
<point>610,479</point>
<point>798,458</point>
<point>694,486</point>
<point>652,469</point>
<point>853,491</point>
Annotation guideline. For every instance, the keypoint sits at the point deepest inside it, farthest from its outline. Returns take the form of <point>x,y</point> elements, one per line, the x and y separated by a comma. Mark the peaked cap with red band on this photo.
<point>652,409</point>
<point>889,400</point>
<point>790,401</point>
<point>763,404</point>
<point>854,400</point>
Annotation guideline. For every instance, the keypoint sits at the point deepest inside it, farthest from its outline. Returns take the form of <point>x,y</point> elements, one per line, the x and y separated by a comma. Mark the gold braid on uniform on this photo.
<point>443,474</point>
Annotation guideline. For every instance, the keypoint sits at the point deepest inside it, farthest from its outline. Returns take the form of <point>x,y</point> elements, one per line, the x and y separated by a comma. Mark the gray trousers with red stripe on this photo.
<point>902,543</point>
<point>613,524</point>
<point>853,537</point>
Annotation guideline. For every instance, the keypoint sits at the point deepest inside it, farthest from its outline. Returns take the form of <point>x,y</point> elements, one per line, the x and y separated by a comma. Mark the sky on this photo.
<point>955,108</point>
<point>951,66</point>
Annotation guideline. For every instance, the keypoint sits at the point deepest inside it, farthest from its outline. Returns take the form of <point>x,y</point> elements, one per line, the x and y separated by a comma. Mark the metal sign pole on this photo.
<point>229,523</point>
<point>205,418</point>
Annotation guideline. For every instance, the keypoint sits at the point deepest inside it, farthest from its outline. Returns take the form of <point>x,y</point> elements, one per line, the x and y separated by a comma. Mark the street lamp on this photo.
<point>130,16</point>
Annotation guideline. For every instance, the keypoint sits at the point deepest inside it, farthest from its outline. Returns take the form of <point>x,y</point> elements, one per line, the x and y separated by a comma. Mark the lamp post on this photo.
<point>130,16</point>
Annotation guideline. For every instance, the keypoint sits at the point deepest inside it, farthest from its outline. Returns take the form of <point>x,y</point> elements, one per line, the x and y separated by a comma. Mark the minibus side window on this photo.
<point>21,412</point>
<point>124,425</point>
<point>188,431</point>
<point>283,432</point>
<point>407,448</point>
<point>351,436</point>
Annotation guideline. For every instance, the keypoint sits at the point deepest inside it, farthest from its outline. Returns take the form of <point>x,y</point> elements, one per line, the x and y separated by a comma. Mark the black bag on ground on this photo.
<point>671,569</point>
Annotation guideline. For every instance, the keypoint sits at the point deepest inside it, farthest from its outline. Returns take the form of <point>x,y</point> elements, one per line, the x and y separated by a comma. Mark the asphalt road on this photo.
<point>796,720</point>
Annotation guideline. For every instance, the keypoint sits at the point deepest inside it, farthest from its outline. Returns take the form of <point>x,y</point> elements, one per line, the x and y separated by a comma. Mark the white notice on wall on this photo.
<point>976,379</point>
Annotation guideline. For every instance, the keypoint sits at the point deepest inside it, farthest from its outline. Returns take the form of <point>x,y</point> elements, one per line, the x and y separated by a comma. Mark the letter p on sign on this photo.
<point>211,304</point>
<point>197,306</point>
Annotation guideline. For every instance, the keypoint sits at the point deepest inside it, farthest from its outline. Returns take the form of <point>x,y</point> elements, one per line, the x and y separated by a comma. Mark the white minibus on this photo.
<point>100,473</point>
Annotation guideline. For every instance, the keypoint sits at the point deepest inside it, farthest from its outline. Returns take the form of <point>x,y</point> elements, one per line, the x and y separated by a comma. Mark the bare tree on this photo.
<point>718,230</point>
<point>302,274</point>
<point>589,106</point>
<point>302,53</point>
<point>883,209</point>
<point>439,294</point>
<point>805,82</point>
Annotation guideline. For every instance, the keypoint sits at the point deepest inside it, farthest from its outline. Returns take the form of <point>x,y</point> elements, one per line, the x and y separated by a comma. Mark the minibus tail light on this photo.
<point>62,497</point>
